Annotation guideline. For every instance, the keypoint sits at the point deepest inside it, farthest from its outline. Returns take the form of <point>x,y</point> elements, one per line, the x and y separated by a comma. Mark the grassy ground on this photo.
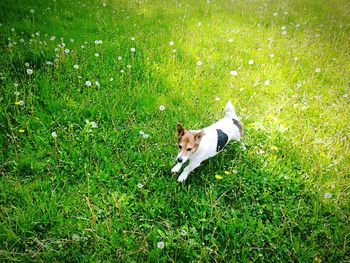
<point>85,170</point>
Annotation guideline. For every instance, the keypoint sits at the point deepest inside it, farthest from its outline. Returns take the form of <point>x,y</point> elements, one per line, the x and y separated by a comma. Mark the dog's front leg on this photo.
<point>189,168</point>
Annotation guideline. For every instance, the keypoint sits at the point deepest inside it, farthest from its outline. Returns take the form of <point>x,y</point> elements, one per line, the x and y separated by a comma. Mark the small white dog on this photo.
<point>199,145</point>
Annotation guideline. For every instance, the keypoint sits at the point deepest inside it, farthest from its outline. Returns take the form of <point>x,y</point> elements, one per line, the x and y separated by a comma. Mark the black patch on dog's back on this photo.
<point>222,140</point>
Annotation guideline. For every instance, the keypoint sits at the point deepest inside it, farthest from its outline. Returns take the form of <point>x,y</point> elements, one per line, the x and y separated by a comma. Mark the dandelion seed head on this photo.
<point>160,245</point>
<point>328,195</point>
<point>132,49</point>
<point>161,107</point>
<point>233,73</point>
<point>318,70</point>
<point>88,83</point>
<point>29,71</point>
<point>199,63</point>
<point>251,62</point>
<point>76,66</point>
<point>54,135</point>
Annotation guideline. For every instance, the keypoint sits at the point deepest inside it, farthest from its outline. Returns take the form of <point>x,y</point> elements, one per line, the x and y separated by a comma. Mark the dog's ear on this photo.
<point>198,136</point>
<point>180,130</point>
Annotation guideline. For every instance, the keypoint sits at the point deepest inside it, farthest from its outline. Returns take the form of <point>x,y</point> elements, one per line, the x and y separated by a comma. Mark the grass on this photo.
<point>71,191</point>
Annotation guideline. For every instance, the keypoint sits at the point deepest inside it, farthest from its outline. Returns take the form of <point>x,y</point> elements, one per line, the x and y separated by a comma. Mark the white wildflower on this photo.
<point>93,124</point>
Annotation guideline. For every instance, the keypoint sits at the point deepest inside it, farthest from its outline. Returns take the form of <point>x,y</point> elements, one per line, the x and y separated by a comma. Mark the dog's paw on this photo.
<point>181,179</point>
<point>176,169</point>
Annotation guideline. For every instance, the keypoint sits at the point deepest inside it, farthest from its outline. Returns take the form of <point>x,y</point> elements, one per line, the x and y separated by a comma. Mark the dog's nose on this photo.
<point>179,159</point>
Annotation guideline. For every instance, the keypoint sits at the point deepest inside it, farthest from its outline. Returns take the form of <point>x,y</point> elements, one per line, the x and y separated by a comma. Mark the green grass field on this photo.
<point>91,92</point>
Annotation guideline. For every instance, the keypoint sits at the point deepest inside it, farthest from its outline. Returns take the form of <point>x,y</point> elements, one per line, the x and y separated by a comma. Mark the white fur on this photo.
<point>208,143</point>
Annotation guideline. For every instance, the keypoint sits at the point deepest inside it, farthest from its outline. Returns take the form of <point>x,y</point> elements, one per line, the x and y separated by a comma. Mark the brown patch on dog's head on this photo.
<point>188,141</point>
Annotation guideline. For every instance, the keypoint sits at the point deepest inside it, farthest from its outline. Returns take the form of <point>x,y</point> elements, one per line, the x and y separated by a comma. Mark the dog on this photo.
<point>199,145</point>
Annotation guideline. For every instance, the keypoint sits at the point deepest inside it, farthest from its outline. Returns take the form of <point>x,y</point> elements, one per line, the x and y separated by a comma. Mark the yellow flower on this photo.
<point>218,177</point>
<point>17,103</point>
<point>274,148</point>
<point>227,172</point>
<point>21,130</point>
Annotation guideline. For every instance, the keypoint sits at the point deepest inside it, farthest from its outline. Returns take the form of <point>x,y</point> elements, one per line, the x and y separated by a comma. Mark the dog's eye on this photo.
<point>189,149</point>
<point>180,147</point>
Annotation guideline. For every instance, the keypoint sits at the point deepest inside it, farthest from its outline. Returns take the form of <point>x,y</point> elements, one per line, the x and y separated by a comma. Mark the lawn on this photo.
<point>91,92</point>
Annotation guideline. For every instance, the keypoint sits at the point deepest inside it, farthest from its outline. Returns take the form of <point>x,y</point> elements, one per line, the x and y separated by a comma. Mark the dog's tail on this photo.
<point>230,111</point>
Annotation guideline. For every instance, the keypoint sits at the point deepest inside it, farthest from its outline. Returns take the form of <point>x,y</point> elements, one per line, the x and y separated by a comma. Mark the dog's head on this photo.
<point>188,143</point>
